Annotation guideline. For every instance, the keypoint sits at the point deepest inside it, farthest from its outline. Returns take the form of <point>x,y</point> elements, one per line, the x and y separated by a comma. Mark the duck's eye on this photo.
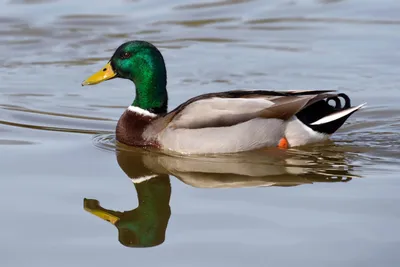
<point>125,55</point>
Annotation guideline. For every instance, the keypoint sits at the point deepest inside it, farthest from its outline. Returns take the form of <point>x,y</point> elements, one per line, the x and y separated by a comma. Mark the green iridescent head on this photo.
<point>143,64</point>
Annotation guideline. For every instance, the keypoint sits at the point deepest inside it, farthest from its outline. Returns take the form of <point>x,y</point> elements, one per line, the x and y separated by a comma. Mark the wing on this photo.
<point>218,112</point>
<point>234,107</point>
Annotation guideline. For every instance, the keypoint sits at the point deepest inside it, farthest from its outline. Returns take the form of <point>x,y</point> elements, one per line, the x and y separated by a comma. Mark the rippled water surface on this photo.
<point>64,184</point>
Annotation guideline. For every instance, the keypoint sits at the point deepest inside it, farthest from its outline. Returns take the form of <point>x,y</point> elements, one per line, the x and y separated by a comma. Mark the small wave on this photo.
<point>104,141</point>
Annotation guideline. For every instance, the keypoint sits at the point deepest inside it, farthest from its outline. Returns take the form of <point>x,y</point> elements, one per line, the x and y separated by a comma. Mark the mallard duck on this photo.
<point>221,122</point>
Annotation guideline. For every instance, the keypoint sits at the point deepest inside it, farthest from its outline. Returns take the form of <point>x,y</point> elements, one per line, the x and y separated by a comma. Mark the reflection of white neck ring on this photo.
<point>142,179</point>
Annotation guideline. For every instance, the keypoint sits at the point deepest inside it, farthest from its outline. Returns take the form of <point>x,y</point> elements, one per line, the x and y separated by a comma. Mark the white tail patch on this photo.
<point>337,115</point>
<point>142,179</point>
<point>141,111</point>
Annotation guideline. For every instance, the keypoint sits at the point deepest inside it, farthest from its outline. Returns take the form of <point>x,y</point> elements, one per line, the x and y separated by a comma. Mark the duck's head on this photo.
<point>143,64</point>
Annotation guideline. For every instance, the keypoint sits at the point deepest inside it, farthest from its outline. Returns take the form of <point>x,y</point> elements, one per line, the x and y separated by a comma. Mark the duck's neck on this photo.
<point>151,92</point>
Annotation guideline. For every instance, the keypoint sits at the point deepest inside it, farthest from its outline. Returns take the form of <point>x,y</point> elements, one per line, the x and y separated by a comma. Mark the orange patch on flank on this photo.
<point>283,143</point>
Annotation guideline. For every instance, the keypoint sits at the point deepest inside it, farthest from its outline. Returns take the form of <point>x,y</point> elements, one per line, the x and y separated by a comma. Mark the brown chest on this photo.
<point>130,128</point>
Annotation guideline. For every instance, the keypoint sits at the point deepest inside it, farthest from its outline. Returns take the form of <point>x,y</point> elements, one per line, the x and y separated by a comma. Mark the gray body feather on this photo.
<point>239,121</point>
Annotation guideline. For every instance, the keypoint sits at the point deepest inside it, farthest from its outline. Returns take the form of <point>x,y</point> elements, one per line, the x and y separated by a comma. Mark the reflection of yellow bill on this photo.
<point>102,75</point>
<point>105,216</point>
<point>102,214</point>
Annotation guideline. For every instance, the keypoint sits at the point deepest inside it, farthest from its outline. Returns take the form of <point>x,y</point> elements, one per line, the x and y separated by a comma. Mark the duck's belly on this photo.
<point>250,135</point>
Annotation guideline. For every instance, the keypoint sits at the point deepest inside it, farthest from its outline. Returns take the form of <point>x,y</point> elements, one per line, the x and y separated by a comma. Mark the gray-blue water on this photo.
<point>324,205</point>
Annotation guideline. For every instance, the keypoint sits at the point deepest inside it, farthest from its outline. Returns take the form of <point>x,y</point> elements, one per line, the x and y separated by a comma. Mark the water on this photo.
<point>324,205</point>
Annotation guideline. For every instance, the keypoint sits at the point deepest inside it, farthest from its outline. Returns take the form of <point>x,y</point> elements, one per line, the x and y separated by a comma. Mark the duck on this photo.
<point>220,122</point>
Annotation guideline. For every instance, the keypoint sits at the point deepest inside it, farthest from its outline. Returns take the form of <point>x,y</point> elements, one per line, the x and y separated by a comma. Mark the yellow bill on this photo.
<point>102,75</point>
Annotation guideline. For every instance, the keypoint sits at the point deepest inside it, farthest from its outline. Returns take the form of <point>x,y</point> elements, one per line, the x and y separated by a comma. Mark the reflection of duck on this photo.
<point>234,173</point>
<point>222,122</point>
<point>266,168</point>
<point>146,225</point>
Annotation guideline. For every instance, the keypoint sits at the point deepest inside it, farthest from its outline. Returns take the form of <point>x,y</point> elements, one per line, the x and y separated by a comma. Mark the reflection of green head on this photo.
<point>144,226</point>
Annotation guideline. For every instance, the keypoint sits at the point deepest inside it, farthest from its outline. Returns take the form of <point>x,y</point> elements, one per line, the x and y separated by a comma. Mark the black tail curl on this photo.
<point>322,109</point>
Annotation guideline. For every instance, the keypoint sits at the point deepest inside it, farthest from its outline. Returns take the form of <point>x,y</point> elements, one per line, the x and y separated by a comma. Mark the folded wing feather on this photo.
<point>217,112</point>
<point>220,112</point>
